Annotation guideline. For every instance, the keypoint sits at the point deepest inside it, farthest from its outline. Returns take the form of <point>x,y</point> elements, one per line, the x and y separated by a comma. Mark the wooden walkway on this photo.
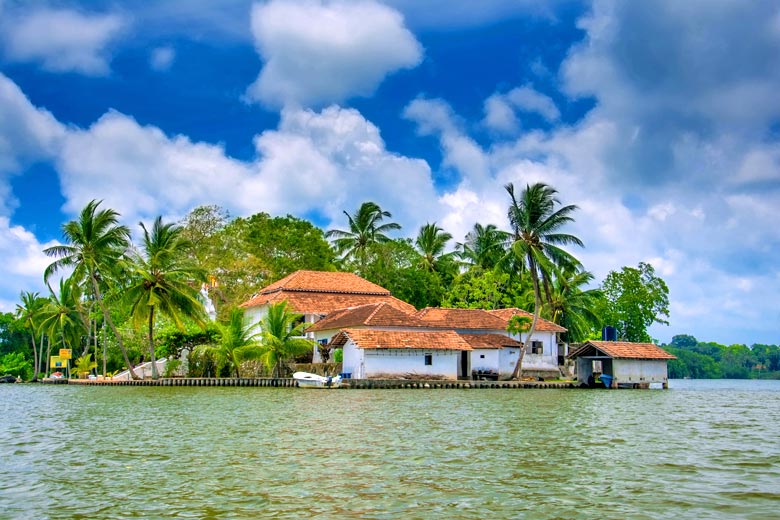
<point>360,384</point>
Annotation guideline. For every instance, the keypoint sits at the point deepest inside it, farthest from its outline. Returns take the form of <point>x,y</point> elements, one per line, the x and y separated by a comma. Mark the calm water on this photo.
<point>703,449</point>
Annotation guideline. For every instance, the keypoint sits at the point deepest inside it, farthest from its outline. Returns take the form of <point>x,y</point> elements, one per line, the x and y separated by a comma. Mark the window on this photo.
<point>535,347</point>
<point>428,359</point>
<point>482,356</point>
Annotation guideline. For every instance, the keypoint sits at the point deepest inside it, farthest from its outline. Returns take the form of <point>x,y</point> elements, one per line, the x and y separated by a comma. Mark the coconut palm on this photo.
<point>365,229</point>
<point>238,342</point>
<point>29,312</point>
<point>62,317</point>
<point>163,281</point>
<point>430,242</point>
<point>95,244</point>
<point>282,339</point>
<point>572,306</point>
<point>536,225</point>
<point>484,247</point>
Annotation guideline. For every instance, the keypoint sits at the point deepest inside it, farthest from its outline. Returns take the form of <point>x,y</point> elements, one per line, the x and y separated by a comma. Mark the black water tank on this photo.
<point>609,334</point>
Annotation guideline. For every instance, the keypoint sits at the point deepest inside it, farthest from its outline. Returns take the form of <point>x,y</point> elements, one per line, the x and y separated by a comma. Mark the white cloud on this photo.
<point>23,264</point>
<point>62,40</point>
<point>500,108</point>
<point>162,58</point>
<point>316,53</point>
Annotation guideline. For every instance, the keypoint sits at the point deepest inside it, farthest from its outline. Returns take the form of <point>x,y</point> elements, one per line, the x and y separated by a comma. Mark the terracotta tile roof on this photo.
<point>423,340</point>
<point>325,281</point>
<point>325,303</point>
<point>380,314</point>
<point>621,350</point>
<point>460,319</point>
<point>542,325</point>
<point>479,341</point>
<point>322,292</point>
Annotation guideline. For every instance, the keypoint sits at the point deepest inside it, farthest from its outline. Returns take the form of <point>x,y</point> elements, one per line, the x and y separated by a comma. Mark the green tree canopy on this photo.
<point>634,299</point>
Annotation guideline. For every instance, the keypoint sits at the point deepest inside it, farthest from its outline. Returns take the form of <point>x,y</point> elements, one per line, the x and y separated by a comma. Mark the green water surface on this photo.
<point>699,450</point>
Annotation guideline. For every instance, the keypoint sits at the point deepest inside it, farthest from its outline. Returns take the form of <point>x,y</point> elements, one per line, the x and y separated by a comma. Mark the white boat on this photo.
<point>307,380</point>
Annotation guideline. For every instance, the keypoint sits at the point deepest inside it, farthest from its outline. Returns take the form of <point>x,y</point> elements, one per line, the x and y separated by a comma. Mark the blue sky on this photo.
<point>660,120</point>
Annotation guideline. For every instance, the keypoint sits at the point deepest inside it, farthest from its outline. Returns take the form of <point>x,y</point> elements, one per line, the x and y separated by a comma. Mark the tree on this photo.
<point>29,312</point>
<point>163,281</point>
<point>634,299</point>
<point>431,242</point>
<point>62,317</point>
<point>365,229</point>
<point>95,245</point>
<point>282,332</point>
<point>83,366</point>
<point>484,246</point>
<point>536,224</point>
<point>477,289</point>
<point>238,342</point>
<point>573,307</point>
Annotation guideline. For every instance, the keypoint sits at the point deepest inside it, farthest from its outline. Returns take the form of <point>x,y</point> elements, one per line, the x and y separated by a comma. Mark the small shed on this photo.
<point>621,363</point>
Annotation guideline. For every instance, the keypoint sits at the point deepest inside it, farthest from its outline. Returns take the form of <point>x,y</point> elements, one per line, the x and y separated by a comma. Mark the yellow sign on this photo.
<point>65,353</point>
<point>57,362</point>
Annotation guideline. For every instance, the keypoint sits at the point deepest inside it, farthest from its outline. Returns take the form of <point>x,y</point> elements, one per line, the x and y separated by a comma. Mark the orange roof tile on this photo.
<point>325,281</point>
<point>480,341</point>
<point>621,350</point>
<point>460,319</point>
<point>423,340</point>
<point>381,314</point>
<point>542,325</point>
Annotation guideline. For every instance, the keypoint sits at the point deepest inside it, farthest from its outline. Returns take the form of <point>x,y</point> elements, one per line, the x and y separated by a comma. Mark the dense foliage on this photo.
<point>124,303</point>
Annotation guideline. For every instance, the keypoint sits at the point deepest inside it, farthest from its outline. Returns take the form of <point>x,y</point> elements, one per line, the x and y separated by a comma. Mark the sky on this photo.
<point>660,120</point>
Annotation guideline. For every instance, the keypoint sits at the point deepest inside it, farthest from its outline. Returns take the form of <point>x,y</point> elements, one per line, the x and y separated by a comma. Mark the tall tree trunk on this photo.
<point>107,317</point>
<point>518,372</point>
<point>48,351</point>
<point>103,330</point>
<point>35,357</point>
<point>151,344</point>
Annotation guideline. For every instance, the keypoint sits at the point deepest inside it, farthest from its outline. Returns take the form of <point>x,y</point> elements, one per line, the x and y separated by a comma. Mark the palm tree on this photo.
<point>95,244</point>
<point>365,229</point>
<point>29,312</point>
<point>162,281</point>
<point>430,242</point>
<point>572,307</point>
<point>238,342</point>
<point>282,339</point>
<point>62,315</point>
<point>536,224</point>
<point>484,247</point>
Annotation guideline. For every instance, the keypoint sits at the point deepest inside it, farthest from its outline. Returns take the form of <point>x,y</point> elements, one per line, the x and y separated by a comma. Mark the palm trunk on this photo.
<point>107,317</point>
<point>35,357</point>
<point>48,352</point>
<point>103,328</point>
<point>518,372</point>
<point>151,344</point>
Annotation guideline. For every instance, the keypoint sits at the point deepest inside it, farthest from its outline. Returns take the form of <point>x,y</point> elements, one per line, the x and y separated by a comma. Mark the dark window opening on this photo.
<point>429,359</point>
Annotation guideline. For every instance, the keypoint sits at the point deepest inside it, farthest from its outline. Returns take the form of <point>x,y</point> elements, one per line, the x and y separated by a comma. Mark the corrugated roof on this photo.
<point>381,314</point>
<point>490,341</point>
<point>621,350</point>
<point>460,319</point>
<point>402,339</point>
<point>542,325</point>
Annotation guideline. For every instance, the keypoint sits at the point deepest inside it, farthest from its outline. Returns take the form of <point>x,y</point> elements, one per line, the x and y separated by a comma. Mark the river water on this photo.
<point>702,449</point>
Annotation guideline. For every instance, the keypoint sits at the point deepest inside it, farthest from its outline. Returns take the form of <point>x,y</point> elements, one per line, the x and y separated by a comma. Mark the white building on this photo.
<point>544,351</point>
<point>623,363</point>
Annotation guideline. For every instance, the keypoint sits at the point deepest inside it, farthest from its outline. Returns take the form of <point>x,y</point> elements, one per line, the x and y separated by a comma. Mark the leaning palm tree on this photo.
<point>484,246</point>
<point>163,281</point>
<point>282,339</point>
<point>365,229</point>
<point>536,225</point>
<point>62,317</point>
<point>29,312</point>
<point>430,242</point>
<point>238,342</point>
<point>95,244</point>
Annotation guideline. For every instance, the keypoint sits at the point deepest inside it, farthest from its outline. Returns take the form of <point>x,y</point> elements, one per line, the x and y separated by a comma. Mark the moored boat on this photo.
<point>307,380</point>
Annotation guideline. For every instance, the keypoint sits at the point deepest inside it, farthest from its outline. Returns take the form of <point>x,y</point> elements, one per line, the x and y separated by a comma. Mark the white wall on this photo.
<point>353,361</point>
<point>411,361</point>
<point>485,359</point>
<point>640,370</point>
<point>548,359</point>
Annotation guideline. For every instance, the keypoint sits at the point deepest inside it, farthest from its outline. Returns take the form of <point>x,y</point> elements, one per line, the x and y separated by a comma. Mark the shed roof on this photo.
<point>542,325</point>
<point>422,340</point>
<point>460,319</point>
<point>381,314</point>
<point>620,350</point>
<point>490,341</point>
